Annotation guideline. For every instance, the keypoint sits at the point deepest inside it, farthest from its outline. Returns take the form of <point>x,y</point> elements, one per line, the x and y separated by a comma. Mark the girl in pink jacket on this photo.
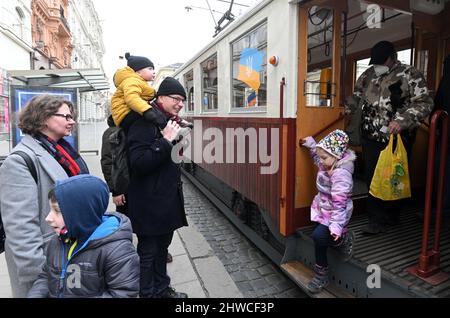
<point>332,207</point>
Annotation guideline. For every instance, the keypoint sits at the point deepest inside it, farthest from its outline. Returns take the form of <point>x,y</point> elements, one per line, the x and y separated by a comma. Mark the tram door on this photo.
<point>432,45</point>
<point>319,108</point>
<point>322,52</point>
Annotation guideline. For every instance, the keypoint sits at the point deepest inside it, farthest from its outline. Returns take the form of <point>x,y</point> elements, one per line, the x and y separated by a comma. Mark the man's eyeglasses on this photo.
<point>66,116</point>
<point>177,99</point>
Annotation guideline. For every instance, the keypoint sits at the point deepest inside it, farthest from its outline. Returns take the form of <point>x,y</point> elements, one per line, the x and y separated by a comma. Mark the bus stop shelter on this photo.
<point>69,83</point>
<point>84,80</point>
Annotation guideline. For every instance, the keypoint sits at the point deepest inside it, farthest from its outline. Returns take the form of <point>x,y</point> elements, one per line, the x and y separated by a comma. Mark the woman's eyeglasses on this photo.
<point>66,116</point>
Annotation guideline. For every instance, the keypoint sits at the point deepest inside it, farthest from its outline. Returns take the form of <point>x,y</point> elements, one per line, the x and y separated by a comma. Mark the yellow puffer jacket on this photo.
<point>132,93</point>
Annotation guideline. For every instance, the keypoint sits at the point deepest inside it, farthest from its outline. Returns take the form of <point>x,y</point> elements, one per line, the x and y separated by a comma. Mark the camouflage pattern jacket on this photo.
<point>400,95</point>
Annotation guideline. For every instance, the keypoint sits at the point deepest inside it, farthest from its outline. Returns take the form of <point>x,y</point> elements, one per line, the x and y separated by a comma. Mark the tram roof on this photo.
<point>85,80</point>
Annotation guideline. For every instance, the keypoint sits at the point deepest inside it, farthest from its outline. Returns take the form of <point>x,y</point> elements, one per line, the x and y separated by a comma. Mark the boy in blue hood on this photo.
<point>92,254</point>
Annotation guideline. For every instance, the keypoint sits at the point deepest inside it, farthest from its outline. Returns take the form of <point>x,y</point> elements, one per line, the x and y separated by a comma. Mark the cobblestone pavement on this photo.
<point>253,273</point>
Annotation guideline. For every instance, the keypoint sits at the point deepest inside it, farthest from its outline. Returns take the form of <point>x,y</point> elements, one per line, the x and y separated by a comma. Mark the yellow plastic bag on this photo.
<point>391,177</point>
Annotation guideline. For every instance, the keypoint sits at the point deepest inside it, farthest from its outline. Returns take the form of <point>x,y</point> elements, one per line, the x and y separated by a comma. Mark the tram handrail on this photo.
<point>341,116</point>
<point>300,142</point>
<point>282,84</point>
<point>429,260</point>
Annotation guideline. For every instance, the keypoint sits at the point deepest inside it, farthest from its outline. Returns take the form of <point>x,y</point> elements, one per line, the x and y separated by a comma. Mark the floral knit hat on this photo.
<point>335,143</point>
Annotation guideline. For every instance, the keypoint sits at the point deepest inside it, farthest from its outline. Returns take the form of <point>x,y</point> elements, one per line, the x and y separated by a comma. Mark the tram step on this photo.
<point>302,275</point>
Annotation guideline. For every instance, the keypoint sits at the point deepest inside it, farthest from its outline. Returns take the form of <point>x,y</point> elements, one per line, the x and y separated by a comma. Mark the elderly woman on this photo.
<point>45,120</point>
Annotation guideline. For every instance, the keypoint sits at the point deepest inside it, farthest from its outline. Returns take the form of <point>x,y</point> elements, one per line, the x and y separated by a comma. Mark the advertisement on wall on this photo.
<point>20,95</point>
<point>4,104</point>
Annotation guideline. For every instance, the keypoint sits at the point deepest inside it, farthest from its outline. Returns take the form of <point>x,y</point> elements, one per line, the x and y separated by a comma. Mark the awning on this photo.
<point>85,80</point>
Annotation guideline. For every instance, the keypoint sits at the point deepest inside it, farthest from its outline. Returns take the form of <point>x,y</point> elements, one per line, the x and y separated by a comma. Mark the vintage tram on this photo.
<point>280,73</point>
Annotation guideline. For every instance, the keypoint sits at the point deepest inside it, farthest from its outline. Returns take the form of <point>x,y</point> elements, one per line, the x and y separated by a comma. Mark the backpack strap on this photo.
<point>29,162</point>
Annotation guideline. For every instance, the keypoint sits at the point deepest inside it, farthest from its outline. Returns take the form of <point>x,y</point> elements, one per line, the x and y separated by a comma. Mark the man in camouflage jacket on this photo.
<point>394,99</point>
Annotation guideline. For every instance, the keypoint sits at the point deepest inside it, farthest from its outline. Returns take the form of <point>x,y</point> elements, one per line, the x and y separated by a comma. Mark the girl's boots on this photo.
<point>320,280</point>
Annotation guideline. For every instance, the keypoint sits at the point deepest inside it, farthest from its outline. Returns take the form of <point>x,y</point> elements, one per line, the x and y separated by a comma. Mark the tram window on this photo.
<point>189,86</point>
<point>404,56</point>
<point>361,66</point>
<point>319,88</point>
<point>209,84</point>
<point>249,73</point>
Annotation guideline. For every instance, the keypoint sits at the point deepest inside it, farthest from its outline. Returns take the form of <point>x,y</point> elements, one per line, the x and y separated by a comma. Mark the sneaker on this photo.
<point>171,293</point>
<point>346,247</point>
<point>169,258</point>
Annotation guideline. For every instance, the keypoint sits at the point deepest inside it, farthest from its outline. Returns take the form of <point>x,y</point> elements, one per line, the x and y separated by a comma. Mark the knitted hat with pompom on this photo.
<point>138,62</point>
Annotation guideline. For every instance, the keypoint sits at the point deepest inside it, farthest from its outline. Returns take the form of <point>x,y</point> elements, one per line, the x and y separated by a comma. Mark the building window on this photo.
<point>189,86</point>
<point>249,74</point>
<point>209,84</point>
<point>20,13</point>
<point>21,22</point>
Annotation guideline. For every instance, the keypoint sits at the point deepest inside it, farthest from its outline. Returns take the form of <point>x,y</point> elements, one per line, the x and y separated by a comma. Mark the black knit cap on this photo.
<point>381,51</point>
<point>138,62</point>
<point>171,86</point>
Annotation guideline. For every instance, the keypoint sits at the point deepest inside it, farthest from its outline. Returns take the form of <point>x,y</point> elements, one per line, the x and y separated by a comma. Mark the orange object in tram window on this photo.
<point>325,83</point>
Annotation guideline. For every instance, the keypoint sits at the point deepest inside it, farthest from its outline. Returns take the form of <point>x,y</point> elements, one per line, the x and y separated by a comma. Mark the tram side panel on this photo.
<point>253,156</point>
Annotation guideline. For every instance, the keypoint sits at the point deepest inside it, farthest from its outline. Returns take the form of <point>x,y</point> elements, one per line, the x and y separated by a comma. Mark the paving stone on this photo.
<point>229,248</point>
<point>238,277</point>
<point>261,293</point>
<point>271,290</point>
<point>273,279</point>
<point>283,285</point>
<point>244,287</point>
<point>266,270</point>
<point>251,294</point>
<point>253,273</point>
<point>258,284</point>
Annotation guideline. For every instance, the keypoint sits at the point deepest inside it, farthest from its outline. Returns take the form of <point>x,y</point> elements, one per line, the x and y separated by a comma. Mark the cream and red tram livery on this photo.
<point>280,73</point>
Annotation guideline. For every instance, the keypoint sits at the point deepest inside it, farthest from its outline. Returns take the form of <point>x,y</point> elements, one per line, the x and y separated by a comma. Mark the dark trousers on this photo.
<point>129,120</point>
<point>322,240</point>
<point>153,251</point>
<point>378,211</point>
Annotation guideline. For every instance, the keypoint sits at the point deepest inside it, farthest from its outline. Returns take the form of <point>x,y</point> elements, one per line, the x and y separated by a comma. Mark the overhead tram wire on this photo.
<point>238,4</point>
<point>212,15</point>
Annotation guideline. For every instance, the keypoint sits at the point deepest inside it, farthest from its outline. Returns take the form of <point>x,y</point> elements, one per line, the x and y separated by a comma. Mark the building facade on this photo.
<point>163,72</point>
<point>88,51</point>
<point>52,39</point>
<point>15,54</point>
